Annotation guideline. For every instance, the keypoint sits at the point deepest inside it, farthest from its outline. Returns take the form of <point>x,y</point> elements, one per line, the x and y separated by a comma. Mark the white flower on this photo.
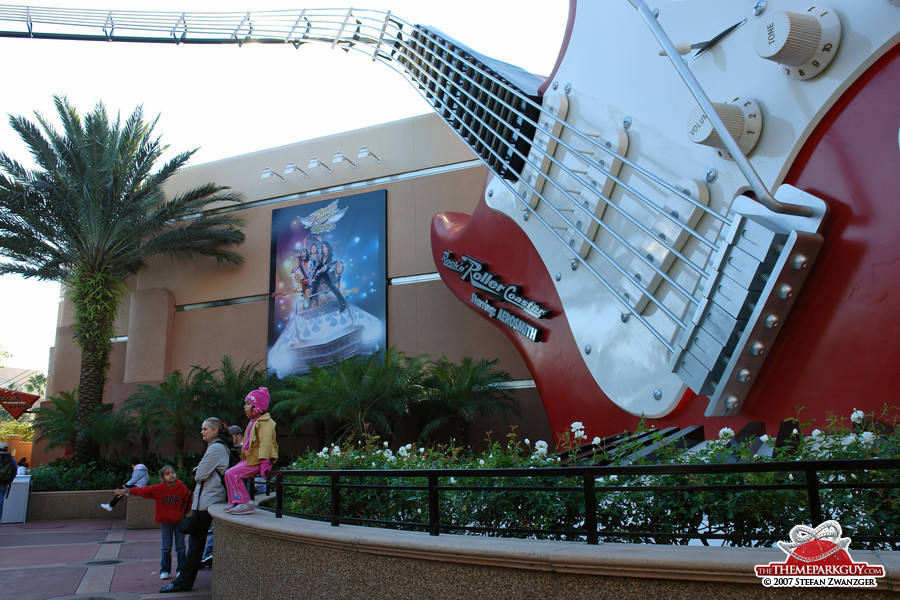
<point>335,451</point>
<point>453,480</point>
<point>857,416</point>
<point>726,433</point>
<point>527,442</point>
<point>387,453</point>
<point>849,439</point>
<point>764,438</point>
<point>613,477</point>
<point>421,450</point>
<point>385,444</point>
<point>577,425</point>
<point>795,431</point>
<point>323,453</point>
<point>579,435</point>
<point>481,462</point>
<point>597,441</point>
<point>816,433</point>
<point>791,476</point>
<point>540,448</point>
<point>867,438</point>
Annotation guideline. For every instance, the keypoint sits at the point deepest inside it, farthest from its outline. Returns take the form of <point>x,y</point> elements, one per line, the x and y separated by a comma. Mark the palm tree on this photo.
<point>36,384</point>
<point>302,399</point>
<point>176,404</point>
<point>56,425</point>
<point>90,215</point>
<point>461,392</point>
<point>146,421</point>
<point>229,386</point>
<point>357,396</point>
<point>112,428</point>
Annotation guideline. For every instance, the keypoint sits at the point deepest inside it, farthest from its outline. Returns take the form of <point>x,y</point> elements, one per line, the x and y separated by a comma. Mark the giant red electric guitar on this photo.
<point>691,219</point>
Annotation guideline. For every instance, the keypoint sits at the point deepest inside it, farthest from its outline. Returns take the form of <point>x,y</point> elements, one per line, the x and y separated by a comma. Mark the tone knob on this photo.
<point>802,43</point>
<point>742,119</point>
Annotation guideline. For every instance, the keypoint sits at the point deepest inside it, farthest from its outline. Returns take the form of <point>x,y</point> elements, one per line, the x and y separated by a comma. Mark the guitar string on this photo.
<point>337,37</point>
<point>608,258</point>
<point>279,26</point>
<point>136,23</point>
<point>356,26</point>
<point>441,103</point>
<point>624,301</point>
<point>579,154</point>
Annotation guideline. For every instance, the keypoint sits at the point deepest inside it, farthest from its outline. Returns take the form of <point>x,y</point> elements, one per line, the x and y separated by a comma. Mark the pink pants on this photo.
<point>234,482</point>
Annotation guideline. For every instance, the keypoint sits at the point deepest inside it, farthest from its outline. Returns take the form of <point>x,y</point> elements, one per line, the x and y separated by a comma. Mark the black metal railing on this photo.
<point>422,497</point>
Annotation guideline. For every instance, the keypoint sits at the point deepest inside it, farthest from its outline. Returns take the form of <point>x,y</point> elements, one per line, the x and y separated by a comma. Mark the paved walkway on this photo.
<point>86,559</point>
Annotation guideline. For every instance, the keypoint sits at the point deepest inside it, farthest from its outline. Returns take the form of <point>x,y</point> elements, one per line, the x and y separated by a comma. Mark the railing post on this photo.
<point>812,492</point>
<point>335,501</point>
<point>590,510</point>
<point>279,496</point>
<point>434,507</point>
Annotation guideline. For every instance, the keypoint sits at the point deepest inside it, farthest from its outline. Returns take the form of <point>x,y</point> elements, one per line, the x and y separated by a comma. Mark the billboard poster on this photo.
<point>327,285</point>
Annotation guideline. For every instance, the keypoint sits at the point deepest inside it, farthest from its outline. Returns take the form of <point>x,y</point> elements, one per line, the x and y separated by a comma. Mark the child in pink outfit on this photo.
<point>258,452</point>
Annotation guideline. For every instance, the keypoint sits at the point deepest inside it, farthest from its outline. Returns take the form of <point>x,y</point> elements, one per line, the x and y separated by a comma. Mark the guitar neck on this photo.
<point>493,106</point>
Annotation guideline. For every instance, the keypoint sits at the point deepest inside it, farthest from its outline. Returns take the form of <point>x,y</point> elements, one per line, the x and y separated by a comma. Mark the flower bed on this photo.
<point>679,516</point>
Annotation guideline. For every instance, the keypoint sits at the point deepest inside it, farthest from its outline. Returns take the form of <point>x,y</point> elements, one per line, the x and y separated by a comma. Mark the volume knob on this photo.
<point>802,43</point>
<point>742,119</point>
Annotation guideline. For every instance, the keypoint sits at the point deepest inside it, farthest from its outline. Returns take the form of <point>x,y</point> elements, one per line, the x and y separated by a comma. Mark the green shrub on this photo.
<point>23,428</point>
<point>671,516</point>
<point>63,475</point>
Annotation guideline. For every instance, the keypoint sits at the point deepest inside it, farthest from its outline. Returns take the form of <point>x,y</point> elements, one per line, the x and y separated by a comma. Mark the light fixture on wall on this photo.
<point>268,172</point>
<point>291,168</point>
<point>365,152</point>
<point>339,157</point>
<point>315,162</point>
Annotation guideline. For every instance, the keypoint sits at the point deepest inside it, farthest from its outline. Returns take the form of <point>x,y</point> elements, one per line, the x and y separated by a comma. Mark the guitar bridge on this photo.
<point>758,273</point>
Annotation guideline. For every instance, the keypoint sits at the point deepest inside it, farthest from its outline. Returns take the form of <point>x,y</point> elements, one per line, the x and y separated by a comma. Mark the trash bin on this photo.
<point>16,505</point>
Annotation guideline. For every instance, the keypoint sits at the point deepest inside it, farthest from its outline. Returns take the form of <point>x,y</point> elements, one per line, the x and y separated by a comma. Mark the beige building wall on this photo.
<point>194,312</point>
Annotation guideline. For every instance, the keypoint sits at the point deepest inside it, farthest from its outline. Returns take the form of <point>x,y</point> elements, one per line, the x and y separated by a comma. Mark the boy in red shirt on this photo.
<point>171,499</point>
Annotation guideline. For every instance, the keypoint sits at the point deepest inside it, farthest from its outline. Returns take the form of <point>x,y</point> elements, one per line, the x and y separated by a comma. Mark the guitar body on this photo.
<point>834,137</point>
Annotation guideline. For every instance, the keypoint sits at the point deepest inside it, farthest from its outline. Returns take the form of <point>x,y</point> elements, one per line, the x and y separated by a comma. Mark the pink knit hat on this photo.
<point>259,399</point>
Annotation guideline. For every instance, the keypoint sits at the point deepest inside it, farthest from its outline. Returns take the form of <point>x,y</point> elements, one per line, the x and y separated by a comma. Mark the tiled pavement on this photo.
<point>86,559</point>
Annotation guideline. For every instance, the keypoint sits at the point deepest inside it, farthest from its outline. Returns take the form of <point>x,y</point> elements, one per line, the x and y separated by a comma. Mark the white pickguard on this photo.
<point>614,74</point>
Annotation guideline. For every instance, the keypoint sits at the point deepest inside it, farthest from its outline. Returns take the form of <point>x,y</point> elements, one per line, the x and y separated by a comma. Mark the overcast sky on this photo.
<point>230,101</point>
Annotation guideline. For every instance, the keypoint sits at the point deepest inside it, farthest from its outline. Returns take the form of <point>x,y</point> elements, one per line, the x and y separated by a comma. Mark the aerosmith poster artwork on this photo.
<point>327,283</point>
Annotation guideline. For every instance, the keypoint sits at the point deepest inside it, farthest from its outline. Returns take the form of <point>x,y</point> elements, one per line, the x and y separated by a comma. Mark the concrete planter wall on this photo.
<point>265,557</point>
<point>54,506</point>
